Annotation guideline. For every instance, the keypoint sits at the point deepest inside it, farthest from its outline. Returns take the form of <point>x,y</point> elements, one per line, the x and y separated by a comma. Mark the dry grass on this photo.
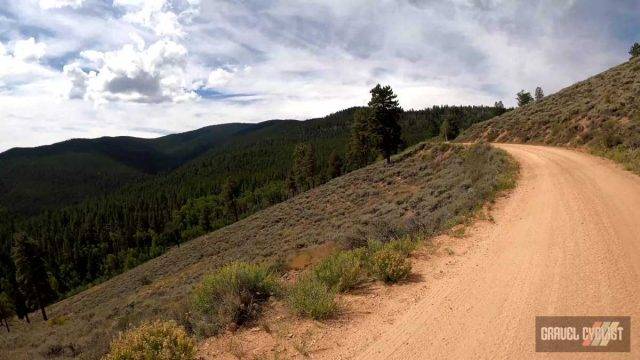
<point>426,190</point>
<point>601,113</point>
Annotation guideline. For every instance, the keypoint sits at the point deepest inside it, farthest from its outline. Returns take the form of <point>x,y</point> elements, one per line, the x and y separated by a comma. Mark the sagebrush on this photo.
<point>159,340</point>
<point>312,298</point>
<point>232,295</point>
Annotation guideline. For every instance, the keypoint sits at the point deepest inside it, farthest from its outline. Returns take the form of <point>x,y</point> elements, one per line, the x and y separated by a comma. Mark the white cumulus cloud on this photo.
<point>28,49</point>
<point>219,77</point>
<point>148,75</point>
<point>20,65</point>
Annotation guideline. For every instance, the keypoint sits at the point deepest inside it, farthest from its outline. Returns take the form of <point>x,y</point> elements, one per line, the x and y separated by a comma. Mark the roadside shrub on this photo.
<point>390,265</point>
<point>341,271</point>
<point>232,295</point>
<point>161,340</point>
<point>404,245</point>
<point>312,298</point>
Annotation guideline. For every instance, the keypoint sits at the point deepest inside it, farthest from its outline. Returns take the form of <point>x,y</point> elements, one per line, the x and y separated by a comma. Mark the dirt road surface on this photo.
<point>566,242</point>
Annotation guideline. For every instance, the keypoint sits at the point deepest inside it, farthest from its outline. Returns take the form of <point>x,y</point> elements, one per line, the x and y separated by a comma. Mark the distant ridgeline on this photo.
<point>101,206</point>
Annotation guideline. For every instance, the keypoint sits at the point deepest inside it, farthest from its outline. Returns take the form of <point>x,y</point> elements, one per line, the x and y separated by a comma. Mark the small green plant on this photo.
<point>312,298</point>
<point>161,340</point>
<point>390,265</point>
<point>232,295</point>
<point>341,271</point>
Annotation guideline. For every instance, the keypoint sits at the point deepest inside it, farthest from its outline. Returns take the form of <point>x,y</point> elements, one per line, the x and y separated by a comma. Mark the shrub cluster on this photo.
<point>312,298</point>
<point>390,265</point>
<point>341,271</point>
<point>161,340</point>
<point>313,295</point>
<point>232,295</point>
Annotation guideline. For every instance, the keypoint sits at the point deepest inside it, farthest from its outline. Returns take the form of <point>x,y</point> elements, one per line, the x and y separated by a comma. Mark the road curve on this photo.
<point>565,242</point>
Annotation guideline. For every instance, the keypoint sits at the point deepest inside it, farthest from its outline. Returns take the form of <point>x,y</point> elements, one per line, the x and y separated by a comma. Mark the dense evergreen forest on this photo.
<point>209,178</point>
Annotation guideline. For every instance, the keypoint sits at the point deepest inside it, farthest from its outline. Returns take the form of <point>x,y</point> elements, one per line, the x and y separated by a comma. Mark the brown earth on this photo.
<point>565,242</point>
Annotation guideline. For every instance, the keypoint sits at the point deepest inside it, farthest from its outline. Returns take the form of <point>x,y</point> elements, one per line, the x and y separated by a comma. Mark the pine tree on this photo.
<point>499,108</point>
<point>10,287</point>
<point>335,165</point>
<point>384,128</point>
<point>524,97</point>
<point>304,166</point>
<point>360,148</point>
<point>539,94</point>
<point>6,310</point>
<point>290,184</point>
<point>311,165</point>
<point>31,273</point>
<point>230,192</point>
<point>449,129</point>
<point>445,129</point>
<point>635,50</point>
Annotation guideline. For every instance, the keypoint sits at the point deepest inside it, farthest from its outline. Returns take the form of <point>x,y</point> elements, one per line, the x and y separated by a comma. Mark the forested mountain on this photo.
<point>170,189</point>
<point>47,177</point>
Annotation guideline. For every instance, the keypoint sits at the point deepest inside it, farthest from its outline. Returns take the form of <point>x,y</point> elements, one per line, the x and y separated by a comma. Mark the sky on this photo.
<point>146,68</point>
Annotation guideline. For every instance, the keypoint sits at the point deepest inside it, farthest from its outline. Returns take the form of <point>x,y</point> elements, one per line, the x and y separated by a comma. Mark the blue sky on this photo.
<point>90,68</point>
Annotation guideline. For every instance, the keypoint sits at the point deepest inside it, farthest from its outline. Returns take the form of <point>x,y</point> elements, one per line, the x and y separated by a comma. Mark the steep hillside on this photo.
<point>429,187</point>
<point>601,113</point>
<point>140,220</point>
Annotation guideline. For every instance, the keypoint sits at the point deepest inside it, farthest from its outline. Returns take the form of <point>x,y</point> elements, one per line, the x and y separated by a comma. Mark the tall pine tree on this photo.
<point>335,165</point>
<point>445,129</point>
<point>539,94</point>
<point>304,166</point>
<point>230,192</point>
<point>524,97</point>
<point>31,273</point>
<point>361,150</point>
<point>383,121</point>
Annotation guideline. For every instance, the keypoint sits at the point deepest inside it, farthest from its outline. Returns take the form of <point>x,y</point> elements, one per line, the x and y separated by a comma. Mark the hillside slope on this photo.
<point>430,187</point>
<point>140,220</point>
<point>53,176</point>
<point>601,113</point>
